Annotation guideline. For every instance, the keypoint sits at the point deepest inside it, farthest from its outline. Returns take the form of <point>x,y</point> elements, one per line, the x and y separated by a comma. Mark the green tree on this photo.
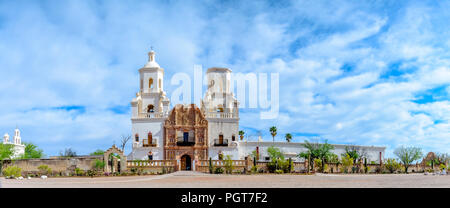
<point>408,155</point>
<point>273,132</point>
<point>6,152</point>
<point>317,151</point>
<point>278,163</point>
<point>333,158</point>
<point>97,152</point>
<point>288,137</point>
<point>352,152</point>
<point>31,151</point>
<point>276,156</point>
<point>442,158</point>
<point>241,134</point>
<point>275,153</point>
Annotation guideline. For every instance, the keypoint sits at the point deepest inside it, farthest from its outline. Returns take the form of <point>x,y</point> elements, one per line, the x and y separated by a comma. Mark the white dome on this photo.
<point>151,60</point>
<point>151,64</point>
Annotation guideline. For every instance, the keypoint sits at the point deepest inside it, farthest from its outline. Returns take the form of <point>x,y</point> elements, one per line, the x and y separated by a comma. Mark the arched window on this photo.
<point>150,109</point>
<point>220,108</point>
<point>159,83</point>
<point>150,83</point>
<point>233,138</point>
<point>136,137</point>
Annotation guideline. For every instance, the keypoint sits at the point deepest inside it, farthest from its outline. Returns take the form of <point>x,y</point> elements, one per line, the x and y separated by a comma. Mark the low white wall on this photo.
<point>292,149</point>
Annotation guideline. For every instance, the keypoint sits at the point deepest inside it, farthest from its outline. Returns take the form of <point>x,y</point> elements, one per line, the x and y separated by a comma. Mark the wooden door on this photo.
<point>183,163</point>
<point>221,139</point>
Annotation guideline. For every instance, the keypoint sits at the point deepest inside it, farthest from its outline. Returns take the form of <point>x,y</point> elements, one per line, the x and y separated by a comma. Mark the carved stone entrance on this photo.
<point>186,163</point>
<point>185,136</point>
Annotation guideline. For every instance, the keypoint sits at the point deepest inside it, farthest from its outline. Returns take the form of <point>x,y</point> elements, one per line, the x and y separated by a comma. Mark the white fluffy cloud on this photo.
<point>349,72</point>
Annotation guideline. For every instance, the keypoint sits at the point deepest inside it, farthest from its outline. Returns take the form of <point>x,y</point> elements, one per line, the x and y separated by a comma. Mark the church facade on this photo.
<point>189,133</point>
<point>18,147</point>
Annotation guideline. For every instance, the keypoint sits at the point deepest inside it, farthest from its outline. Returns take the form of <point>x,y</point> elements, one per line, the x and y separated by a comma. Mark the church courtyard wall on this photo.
<point>61,166</point>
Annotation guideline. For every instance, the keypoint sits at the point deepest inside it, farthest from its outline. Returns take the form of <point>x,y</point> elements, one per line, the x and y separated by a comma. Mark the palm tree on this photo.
<point>241,134</point>
<point>288,137</point>
<point>273,131</point>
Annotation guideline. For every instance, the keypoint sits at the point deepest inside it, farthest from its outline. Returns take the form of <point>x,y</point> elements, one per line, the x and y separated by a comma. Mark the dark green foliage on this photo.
<point>273,132</point>
<point>317,151</point>
<point>211,167</point>
<point>6,151</point>
<point>31,151</point>
<point>288,137</point>
<point>91,173</point>
<point>277,161</point>
<point>218,170</point>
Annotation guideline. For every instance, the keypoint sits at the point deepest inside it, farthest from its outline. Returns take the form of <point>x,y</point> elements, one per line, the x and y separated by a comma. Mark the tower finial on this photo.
<point>151,55</point>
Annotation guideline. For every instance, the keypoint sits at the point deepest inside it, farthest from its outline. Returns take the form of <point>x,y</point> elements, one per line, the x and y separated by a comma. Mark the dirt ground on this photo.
<point>187,179</point>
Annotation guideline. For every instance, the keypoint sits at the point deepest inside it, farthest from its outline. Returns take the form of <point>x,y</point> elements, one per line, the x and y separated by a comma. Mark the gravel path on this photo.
<point>188,179</point>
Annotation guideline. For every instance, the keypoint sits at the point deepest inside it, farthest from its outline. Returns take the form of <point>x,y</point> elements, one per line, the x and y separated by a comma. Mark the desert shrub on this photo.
<point>318,164</point>
<point>287,165</point>
<point>378,169</point>
<point>254,169</point>
<point>272,166</point>
<point>392,165</point>
<point>134,171</point>
<point>12,172</point>
<point>79,172</point>
<point>347,162</point>
<point>44,170</point>
<point>228,163</point>
<point>91,173</point>
<point>218,170</point>
<point>280,164</point>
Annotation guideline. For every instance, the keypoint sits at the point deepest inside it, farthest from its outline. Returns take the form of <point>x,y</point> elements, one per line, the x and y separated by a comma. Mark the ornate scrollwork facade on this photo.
<point>184,120</point>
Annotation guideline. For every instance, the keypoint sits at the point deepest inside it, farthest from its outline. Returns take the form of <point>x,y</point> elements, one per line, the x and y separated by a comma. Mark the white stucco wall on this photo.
<point>227,127</point>
<point>142,127</point>
<point>293,148</point>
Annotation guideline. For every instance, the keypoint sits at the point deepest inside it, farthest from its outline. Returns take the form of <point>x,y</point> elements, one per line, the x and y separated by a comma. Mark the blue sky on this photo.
<point>368,73</point>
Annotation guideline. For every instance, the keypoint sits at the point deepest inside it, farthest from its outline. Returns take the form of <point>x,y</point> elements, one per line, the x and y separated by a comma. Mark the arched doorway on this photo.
<point>115,160</point>
<point>186,162</point>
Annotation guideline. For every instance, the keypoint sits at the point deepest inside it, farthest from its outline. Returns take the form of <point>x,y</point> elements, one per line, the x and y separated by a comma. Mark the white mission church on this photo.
<point>188,132</point>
